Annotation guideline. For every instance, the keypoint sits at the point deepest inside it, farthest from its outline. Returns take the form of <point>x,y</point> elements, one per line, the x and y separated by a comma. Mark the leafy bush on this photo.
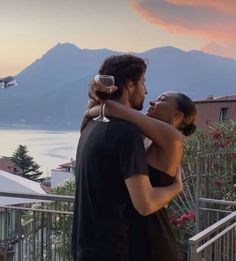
<point>211,154</point>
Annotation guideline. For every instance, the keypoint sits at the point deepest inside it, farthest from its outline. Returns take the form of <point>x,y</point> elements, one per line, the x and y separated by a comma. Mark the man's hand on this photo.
<point>94,87</point>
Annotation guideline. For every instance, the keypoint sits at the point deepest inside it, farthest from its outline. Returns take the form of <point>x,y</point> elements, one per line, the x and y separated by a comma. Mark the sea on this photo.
<point>49,148</point>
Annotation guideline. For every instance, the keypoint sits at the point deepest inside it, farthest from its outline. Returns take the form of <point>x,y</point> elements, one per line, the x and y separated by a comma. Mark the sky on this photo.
<point>29,28</point>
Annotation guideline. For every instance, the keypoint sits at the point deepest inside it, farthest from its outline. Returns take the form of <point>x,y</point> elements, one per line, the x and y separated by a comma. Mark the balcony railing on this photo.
<point>215,243</point>
<point>40,231</point>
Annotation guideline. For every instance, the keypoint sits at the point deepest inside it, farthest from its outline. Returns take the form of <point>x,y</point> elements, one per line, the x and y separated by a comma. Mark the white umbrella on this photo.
<point>16,184</point>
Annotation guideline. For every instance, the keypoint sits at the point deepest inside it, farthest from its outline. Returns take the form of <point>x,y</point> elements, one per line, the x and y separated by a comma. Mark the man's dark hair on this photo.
<point>124,68</point>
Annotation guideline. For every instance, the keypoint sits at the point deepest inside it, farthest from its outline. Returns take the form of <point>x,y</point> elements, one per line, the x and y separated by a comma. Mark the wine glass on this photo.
<point>106,81</point>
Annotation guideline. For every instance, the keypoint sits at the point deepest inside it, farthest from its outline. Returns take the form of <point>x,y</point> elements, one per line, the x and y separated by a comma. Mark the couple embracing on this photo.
<point>127,169</point>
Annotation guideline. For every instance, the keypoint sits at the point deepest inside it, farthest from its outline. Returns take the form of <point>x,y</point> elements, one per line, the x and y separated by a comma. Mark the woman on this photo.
<point>152,236</point>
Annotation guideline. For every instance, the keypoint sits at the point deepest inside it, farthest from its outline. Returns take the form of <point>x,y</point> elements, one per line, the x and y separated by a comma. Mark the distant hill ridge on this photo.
<point>52,91</point>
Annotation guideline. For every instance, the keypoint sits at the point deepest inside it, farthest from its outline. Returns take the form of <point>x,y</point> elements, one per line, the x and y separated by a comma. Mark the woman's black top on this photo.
<point>152,238</point>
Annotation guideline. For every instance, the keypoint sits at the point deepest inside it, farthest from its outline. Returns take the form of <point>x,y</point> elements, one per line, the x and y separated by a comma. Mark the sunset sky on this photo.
<point>29,28</point>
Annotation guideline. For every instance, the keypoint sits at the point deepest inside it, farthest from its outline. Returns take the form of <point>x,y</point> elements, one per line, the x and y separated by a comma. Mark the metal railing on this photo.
<point>213,210</point>
<point>218,219</point>
<point>40,231</point>
<point>215,206</point>
<point>215,243</point>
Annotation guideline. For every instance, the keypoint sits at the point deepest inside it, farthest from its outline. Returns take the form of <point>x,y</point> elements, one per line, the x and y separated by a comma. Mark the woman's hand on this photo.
<point>94,101</point>
<point>94,106</point>
<point>94,87</point>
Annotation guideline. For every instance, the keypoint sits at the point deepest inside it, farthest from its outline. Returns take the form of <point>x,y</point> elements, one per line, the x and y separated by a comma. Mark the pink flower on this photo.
<point>190,216</point>
<point>179,221</point>
<point>216,134</point>
<point>187,216</point>
<point>217,182</point>
<point>179,226</point>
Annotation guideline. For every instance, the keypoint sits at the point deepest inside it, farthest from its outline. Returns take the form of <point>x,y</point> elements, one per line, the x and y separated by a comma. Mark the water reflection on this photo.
<point>49,148</point>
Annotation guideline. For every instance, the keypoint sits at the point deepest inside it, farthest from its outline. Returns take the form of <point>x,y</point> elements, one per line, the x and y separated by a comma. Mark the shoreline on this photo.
<point>35,127</point>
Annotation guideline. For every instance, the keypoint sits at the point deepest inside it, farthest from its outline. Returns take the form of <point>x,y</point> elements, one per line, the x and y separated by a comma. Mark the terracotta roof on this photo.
<point>7,165</point>
<point>68,165</point>
<point>228,98</point>
<point>212,99</point>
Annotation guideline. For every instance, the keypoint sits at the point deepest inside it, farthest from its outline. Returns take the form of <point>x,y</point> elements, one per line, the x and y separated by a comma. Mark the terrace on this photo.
<point>44,233</point>
<point>39,232</point>
<point>205,212</point>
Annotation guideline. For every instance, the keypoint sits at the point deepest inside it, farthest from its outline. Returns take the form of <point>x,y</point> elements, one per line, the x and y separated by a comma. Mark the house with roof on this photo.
<point>215,109</point>
<point>9,166</point>
<point>62,174</point>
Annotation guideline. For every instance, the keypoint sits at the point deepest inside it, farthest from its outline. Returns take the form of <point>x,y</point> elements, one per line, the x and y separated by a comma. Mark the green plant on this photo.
<point>210,153</point>
<point>26,163</point>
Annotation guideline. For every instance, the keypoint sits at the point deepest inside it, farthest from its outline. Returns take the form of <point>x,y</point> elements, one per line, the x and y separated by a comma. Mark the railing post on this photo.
<point>192,253</point>
<point>197,206</point>
<point>34,228</point>
<point>5,234</point>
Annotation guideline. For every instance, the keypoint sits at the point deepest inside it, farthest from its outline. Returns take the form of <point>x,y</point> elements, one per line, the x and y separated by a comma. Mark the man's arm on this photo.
<point>147,199</point>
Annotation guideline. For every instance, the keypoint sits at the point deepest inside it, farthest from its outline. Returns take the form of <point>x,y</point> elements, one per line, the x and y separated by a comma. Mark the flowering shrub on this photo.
<point>212,153</point>
<point>183,220</point>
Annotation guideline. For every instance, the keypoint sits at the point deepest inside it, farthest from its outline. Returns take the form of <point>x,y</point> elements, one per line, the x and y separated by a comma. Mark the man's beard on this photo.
<point>136,102</point>
<point>138,107</point>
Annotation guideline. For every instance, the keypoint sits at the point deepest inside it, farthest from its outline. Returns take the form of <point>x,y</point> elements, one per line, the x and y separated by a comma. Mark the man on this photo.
<point>111,173</point>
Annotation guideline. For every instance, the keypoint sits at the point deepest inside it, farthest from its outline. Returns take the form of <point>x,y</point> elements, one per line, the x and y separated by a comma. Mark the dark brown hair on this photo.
<point>124,68</point>
<point>188,108</point>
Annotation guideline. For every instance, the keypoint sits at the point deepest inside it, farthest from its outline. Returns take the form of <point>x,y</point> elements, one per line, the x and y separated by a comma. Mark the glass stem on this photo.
<point>102,110</point>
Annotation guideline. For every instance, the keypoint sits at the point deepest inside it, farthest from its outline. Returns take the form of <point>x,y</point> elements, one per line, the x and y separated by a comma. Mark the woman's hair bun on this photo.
<point>189,129</point>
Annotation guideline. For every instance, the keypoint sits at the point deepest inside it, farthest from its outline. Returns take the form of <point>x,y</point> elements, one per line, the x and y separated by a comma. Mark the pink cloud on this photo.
<point>228,6</point>
<point>225,50</point>
<point>213,20</point>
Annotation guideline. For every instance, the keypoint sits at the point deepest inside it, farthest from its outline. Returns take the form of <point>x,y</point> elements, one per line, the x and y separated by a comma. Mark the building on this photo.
<point>9,166</point>
<point>215,109</point>
<point>9,228</point>
<point>60,175</point>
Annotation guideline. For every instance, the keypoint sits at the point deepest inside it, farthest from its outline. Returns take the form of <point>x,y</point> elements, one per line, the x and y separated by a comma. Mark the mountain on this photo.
<point>52,91</point>
<point>194,73</point>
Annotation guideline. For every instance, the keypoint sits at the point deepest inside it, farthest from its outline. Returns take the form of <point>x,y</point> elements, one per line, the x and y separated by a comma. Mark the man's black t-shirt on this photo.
<point>107,154</point>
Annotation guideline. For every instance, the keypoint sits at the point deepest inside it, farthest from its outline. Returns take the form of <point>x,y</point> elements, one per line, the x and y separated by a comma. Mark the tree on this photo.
<point>68,188</point>
<point>23,160</point>
<point>63,223</point>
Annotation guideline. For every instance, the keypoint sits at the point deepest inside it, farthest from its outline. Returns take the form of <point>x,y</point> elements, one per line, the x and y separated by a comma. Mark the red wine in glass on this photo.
<point>103,95</point>
<point>106,81</point>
